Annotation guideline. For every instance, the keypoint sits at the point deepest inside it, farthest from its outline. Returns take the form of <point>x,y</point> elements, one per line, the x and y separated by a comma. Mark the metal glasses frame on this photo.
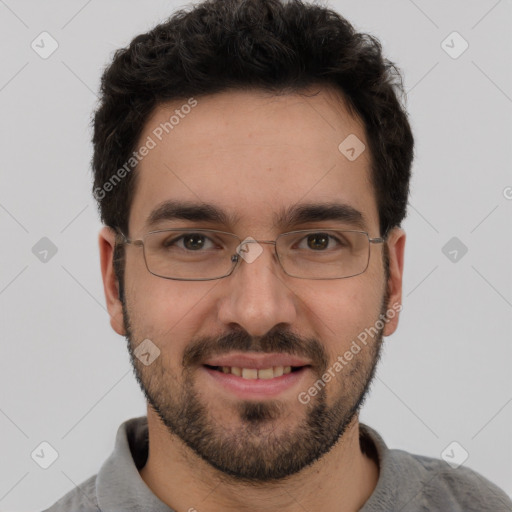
<point>235,258</point>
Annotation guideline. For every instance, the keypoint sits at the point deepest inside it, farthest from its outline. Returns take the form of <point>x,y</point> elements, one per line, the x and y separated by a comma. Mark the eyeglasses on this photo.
<point>208,254</point>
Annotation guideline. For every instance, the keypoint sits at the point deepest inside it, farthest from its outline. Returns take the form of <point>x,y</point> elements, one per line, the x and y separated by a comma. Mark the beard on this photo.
<point>260,449</point>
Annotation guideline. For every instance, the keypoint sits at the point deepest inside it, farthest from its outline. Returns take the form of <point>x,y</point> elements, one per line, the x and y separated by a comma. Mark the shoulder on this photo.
<point>411,483</point>
<point>80,499</point>
<point>436,485</point>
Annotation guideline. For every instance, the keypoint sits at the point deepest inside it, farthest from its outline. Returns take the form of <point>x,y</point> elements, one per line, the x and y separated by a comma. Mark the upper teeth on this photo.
<point>253,373</point>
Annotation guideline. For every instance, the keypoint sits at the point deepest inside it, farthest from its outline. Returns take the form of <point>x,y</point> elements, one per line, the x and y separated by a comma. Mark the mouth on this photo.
<point>256,383</point>
<point>256,373</point>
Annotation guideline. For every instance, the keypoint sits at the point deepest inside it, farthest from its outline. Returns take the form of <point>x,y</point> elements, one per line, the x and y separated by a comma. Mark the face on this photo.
<point>252,157</point>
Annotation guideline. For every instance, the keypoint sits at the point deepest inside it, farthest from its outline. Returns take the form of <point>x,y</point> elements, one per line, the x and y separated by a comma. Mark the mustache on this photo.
<point>276,341</point>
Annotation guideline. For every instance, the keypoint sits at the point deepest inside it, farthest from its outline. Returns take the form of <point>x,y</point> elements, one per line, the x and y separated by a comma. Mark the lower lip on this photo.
<point>256,388</point>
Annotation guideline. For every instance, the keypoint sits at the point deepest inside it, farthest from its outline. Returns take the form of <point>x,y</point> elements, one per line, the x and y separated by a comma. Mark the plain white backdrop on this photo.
<point>445,375</point>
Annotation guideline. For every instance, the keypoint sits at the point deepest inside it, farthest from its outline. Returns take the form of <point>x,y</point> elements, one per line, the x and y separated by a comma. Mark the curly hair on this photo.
<point>272,45</point>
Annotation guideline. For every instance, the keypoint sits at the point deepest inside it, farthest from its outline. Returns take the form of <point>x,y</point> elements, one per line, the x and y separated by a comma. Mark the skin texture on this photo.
<point>252,154</point>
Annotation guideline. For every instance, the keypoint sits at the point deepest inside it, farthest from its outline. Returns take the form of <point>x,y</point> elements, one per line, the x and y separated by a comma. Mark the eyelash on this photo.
<point>169,242</point>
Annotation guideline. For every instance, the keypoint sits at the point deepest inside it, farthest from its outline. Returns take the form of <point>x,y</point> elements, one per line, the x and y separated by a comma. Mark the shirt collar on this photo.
<point>119,485</point>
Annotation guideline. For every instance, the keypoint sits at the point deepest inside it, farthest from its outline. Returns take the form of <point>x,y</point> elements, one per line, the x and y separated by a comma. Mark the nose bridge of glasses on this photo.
<point>243,250</point>
<point>243,246</point>
<point>253,241</point>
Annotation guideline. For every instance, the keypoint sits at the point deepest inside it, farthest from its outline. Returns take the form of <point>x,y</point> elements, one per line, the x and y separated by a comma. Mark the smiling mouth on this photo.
<point>253,373</point>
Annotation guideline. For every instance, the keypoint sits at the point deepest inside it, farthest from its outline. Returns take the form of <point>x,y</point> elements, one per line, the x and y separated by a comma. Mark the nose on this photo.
<point>257,295</point>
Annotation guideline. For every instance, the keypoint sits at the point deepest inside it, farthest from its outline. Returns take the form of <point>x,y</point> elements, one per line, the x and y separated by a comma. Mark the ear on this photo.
<point>396,247</point>
<point>106,240</point>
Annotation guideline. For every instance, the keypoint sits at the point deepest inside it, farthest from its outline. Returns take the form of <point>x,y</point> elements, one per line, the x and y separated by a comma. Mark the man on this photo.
<point>251,165</point>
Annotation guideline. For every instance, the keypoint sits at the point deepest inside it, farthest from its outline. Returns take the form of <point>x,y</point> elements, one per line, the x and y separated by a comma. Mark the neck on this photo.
<point>342,480</point>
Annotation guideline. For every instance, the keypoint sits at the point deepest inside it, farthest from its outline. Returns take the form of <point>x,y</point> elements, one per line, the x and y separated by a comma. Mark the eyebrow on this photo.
<point>285,218</point>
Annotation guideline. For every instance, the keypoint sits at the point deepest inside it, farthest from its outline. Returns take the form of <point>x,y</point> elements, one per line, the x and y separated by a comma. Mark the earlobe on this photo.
<point>106,242</point>
<point>396,248</point>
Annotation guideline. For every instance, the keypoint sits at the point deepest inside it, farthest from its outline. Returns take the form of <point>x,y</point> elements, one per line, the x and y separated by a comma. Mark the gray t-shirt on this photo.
<point>406,483</point>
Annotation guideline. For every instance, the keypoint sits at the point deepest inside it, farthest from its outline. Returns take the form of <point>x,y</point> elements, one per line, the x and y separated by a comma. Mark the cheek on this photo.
<point>341,310</point>
<point>166,311</point>
<point>159,300</point>
<point>347,297</point>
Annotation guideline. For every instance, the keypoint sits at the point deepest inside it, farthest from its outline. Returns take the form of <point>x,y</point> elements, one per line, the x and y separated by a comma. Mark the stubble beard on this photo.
<point>259,449</point>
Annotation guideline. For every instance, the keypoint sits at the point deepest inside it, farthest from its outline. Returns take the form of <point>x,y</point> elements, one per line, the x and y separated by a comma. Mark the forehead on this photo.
<point>253,156</point>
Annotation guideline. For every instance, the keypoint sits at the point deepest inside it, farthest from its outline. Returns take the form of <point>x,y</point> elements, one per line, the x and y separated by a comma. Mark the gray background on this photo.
<point>65,375</point>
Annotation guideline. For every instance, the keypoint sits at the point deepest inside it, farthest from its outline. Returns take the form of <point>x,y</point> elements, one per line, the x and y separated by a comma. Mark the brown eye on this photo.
<point>188,241</point>
<point>323,242</point>
<point>193,241</point>
<point>318,241</point>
